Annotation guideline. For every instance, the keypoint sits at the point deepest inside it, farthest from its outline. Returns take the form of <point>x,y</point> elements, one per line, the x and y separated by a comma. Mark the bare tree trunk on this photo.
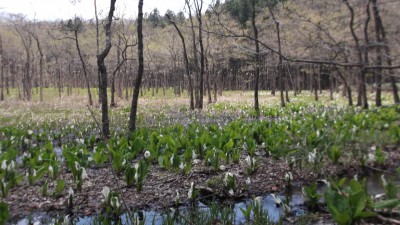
<point>2,70</point>
<point>362,99</point>
<point>83,67</point>
<point>257,59</point>
<point>366,57</point>
<point>377,72</point>
<point>132,117</point>
<point>199,6</point>
<point>195,57</point>
<point>315,83</point>
<point>97,46</point>
<point>186,60</point>
<point>41,62</point>
<point>387,52</point>
<point>103,74</point>
<point>346,87</point>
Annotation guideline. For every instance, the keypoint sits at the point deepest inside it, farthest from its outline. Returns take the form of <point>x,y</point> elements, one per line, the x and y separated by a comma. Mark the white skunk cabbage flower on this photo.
<point>66,220</point>
<point>136,177</point>
<point>115,203</point>
<point>147,154</point>
<point>227,175</point>
<point>105,192</point>
<point>222,167</point>
<point>70,192</point>
<point>383,181</point>
<point>277,200</point>
<point>182,166</point>
<point>84,174</point>
<point>231,192</point>
<point>194,155</point>
<point>312,156</point>
<point>51,170</point>
<point>177,197</point>
<point>288,177</point>
<point>4,165</point>
<point>77,166</point>
<point>248,181</point>
<point>30,132</point>
<point>191,191</point>
<point>258,200</point>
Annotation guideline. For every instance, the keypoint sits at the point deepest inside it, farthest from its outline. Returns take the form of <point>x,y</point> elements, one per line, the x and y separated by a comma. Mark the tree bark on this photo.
<point>257,59</point>
<point>132,117</point>
<point>388,56</point>
<point>378,72</point>
<point>41,62</point>
<point>83,67</point>
<point>362,99</point>
<point>1,70</point>
<point>186,60</point>
<point>103,74</point>
<point>280,65</point>
<point>199,6</point>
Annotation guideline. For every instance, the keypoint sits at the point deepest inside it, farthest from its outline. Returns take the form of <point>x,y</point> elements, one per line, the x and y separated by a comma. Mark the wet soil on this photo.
<point>160,186</point>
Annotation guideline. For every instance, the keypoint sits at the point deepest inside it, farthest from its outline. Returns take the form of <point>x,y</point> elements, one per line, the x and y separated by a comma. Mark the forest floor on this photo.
<point>160,187</point>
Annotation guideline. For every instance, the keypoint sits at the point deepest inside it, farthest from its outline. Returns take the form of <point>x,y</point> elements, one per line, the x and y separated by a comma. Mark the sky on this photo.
<point>66,9</point>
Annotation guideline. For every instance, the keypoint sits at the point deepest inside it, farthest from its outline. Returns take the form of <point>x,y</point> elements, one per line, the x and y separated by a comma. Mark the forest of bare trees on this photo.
<point>349,46</point>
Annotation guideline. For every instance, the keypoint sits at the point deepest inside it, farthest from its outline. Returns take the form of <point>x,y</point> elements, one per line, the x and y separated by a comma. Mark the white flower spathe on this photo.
<point>258,200</point>
<point>194,155</point>
<point>277,200</point>
<point>70,192</point>
<point>115,203</point>
<point>4,165</point>
<point>312,156</point>
<point>248,160</point>
<point>182,166</point>
<point>30,132</point>
<point>77,166</point>
<point>228,175</point>
<point>288,177</point>
<point>136,177</point>
<point>51,170</point>
<point>383,181</point>
<point>147,154</point>
<point>191,191</point>
<point>105,192</point>
<point>84,174</point>
<point>248,181</point>
<point>177,197</point>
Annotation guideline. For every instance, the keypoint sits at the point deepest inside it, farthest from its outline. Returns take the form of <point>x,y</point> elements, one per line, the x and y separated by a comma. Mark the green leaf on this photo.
<point>387,204</point>
<point>4,213</point>
<point>229,145</point>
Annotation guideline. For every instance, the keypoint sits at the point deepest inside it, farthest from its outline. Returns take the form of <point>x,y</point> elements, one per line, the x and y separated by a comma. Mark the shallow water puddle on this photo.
<point>296,203</point>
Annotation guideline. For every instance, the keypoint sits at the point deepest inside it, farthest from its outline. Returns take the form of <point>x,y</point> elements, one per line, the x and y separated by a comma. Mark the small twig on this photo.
<point>94,118</point>
<point>376,169</point>
<point>122,197</point>
<point>387,220</point>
